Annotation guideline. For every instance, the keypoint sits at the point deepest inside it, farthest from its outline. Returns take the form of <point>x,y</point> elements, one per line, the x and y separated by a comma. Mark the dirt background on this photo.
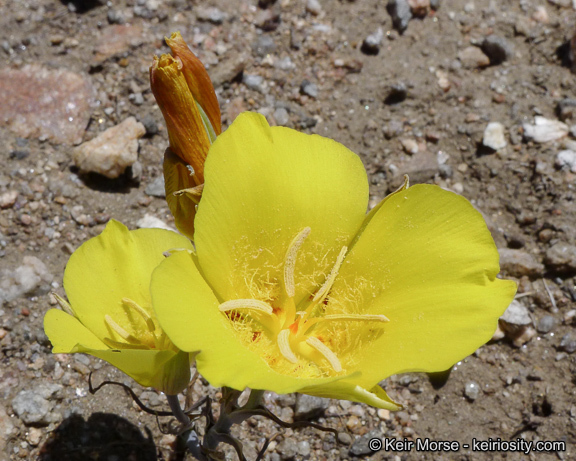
<point>418,102</point>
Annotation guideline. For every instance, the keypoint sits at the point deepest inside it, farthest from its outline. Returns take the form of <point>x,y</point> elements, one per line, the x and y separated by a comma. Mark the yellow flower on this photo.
<point>294,288</point>
<point>110,314</point>
<point>185,94</point>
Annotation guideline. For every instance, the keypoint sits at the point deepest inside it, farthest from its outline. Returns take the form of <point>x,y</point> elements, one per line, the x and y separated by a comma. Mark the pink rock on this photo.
<point>117,39</point>
<point>45,103</point>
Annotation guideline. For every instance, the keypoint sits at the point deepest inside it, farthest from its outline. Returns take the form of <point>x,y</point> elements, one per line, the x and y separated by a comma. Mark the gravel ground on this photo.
<point>476,96</point>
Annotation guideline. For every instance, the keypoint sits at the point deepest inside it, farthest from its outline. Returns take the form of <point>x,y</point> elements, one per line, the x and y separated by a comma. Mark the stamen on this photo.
<point>252,304</point>
<point>64,305</point>
<point>348,317</point>
<point>145,315</point>
<point>357,317</point>
<point>290,261</point>
<point>326,352</point>
<point>121,331</point>
<point>122,345</point>
<point>284,346</point>
<point>325,288</point>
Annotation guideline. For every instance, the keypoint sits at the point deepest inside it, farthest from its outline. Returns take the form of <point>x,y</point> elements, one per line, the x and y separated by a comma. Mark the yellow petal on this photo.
<point>188,137</point>
<point>197,79</point>
<point>177,177</point>
<point>167,371</point>
<point>346,390</point>
<point>187,310</point>
<point>263,187</point>
<point>64,331</point>
<point>427,261</point>
<point>116,264</point>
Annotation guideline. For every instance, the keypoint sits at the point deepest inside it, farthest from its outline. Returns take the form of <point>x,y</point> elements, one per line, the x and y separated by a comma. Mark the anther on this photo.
<point>251,304</point>
<point>284,346</point>
<point>145,315</point>
<point>309,323</point>
<point>325,288</point>
<point>326,352</point>
<point>121,331</point>
<point>64,305</point>
<point>357,317</point>
<point>290,261</point>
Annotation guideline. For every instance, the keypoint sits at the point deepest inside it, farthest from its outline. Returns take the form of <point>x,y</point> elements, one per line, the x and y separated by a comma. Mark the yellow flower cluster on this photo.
<point>290,286</point>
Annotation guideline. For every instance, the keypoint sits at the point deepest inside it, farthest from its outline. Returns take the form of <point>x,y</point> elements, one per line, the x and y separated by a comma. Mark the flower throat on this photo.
<point>296,333</point>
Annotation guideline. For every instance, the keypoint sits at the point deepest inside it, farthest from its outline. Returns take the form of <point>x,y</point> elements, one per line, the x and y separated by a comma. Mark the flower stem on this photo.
<point>189,436</point>
<point>177,409</point>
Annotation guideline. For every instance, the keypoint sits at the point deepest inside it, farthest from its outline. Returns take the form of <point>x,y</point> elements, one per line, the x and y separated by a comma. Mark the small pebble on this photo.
<point>281,116</point>
<point>398,93</point>
<point>544,130</point>
<point>410,146</point>
<point>400,12</point>
<point>314,7</point>
<point>345,438</point>
<point>156,188</point>
<point>498,49</point>
<point>372,43</point>
<point>264,45</point>
<point>564,159</point>
<point>8,199</point>
<point>568,343</point>
<point>471,390</point>
<point>309,89</point>
<point>494,136</point>
<point>254,82</point>
<point>561,258</point>
<point>383,414</point>
<point>546,324</point>
<point>210,14</point>
<point>472,57</point>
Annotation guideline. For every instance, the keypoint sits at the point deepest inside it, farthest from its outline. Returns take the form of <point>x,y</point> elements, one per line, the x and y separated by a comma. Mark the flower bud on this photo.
<point>185,94</point>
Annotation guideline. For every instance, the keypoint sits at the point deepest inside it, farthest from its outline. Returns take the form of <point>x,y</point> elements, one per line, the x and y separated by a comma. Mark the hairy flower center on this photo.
<point>296,333</point>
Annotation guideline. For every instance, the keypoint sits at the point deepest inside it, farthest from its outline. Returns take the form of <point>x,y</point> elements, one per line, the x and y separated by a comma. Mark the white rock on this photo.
<point>517,314</point>
<point>152,222</point>
<point>112,151</point>
<point>314,7</point>
<point>566,158</point>
<point>410,146</point>
<point>545,130</point>
<point>494,137</point>
<point>541,15</point>
<point>24,279</point>
<point>516,323</point>
<point>443,80</point>
<point>8,199</point>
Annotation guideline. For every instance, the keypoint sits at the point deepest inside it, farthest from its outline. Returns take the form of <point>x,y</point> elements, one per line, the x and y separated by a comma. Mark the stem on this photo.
<point>254,399</point>
<point>177,409</point>
<point>230,415</point>
<point>189,436</point>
